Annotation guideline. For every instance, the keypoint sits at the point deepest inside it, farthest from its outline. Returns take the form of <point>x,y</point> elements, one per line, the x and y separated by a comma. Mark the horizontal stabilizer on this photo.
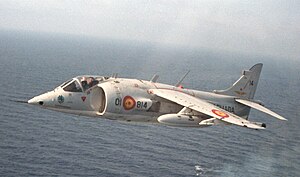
<point>260,108</point>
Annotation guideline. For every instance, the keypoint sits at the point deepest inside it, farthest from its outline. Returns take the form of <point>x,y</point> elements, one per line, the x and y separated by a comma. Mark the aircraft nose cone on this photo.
<point>34,101</point>
<point>41,100</point>
<point>31,101</point>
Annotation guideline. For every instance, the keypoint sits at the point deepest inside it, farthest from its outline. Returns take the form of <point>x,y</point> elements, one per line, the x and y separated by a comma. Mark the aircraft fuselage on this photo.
<point>126,99</point>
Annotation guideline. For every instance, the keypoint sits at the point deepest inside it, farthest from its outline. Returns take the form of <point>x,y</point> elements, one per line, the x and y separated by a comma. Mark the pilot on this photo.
<point>91,81</point>
<point>84,83</point>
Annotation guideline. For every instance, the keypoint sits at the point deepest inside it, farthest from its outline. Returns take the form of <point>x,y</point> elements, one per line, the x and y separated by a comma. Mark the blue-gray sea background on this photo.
<point>39,142</point>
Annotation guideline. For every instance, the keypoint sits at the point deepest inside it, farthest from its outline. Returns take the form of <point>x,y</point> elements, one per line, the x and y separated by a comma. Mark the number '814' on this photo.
<point>141,104</point>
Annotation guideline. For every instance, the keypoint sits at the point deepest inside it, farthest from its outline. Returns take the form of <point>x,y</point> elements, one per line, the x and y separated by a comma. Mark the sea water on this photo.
<point>39,142</point>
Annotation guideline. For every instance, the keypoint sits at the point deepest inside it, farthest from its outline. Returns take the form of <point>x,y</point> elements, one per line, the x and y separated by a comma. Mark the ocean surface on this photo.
<point>39,142</point>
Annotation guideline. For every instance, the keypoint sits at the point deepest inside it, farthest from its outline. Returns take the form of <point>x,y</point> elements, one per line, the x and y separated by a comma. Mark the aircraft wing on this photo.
<point>204,107</point>
<point>260,108</point>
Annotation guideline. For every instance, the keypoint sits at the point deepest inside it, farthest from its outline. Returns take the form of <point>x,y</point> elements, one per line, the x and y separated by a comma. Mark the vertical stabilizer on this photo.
<point>246,85</point>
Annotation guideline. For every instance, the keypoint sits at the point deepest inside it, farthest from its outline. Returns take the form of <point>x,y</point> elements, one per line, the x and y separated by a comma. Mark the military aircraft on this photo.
<point>148,101</point>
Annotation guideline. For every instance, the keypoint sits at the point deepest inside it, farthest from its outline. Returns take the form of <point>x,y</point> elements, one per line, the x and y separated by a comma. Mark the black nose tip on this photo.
<point>41,103</point>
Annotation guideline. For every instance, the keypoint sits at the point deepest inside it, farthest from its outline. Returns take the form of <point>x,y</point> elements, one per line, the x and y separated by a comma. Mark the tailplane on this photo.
<point>246,85</point>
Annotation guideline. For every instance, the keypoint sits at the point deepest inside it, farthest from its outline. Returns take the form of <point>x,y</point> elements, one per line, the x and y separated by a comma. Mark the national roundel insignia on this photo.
<point>128,103</point>
<point>220,113</point>
<point>60,99</point>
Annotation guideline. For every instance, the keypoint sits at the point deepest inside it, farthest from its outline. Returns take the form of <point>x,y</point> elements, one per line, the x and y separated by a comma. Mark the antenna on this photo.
<point>114,75</point>
<point>154,78</point>
<point>182,78</point>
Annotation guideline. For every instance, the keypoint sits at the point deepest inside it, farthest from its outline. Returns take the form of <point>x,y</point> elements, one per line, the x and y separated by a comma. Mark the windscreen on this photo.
<point>73,87</point>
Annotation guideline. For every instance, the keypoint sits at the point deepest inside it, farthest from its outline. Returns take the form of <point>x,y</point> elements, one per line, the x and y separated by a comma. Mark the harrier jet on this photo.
<point>149,101</point>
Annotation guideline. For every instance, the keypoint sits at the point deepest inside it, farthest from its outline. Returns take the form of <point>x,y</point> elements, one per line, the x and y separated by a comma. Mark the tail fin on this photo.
<point>245,86</point>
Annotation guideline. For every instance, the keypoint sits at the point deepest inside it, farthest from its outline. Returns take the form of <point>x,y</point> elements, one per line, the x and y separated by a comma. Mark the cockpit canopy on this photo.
<point>81,83</point>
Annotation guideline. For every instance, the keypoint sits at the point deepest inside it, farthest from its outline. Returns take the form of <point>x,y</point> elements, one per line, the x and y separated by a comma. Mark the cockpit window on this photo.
<point>88,82</point>
<point>73,87</point>
<point>65,83</point>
